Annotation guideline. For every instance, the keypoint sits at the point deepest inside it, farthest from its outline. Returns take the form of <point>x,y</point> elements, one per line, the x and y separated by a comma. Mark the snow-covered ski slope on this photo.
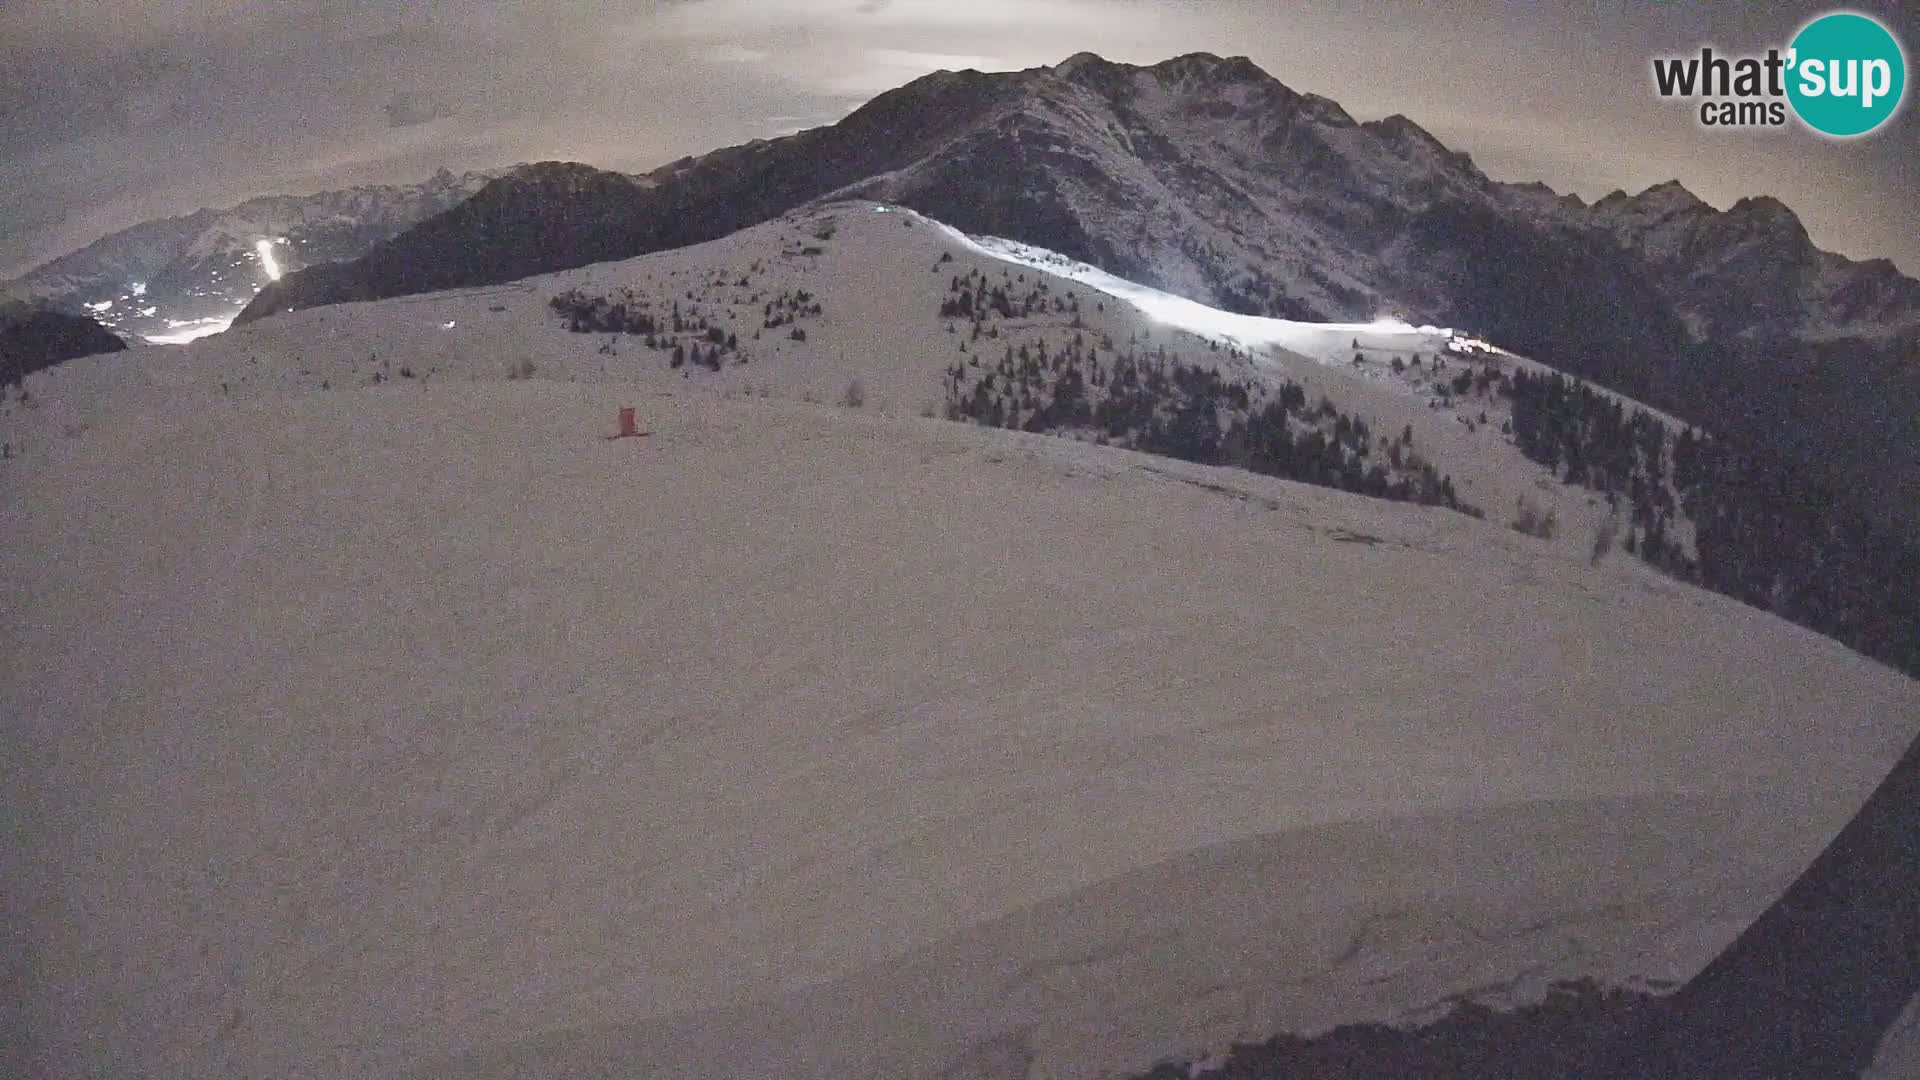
<point>411,727</point>
<point>1329,343</point>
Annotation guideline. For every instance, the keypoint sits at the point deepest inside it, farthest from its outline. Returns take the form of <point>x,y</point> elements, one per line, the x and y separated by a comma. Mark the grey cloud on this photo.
<point>406,110</point>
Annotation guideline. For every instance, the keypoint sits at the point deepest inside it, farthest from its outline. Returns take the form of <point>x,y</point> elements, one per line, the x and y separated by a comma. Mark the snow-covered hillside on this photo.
<point>369,713</point>
<point>1209,178</point>
<point>880,275</point>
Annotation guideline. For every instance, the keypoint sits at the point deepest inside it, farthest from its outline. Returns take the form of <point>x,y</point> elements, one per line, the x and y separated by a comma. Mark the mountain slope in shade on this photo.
<point>168,278</point>
<point>536,218</point>
<point>801,739</point>
<point>33,338</point>
<point>557,215</point>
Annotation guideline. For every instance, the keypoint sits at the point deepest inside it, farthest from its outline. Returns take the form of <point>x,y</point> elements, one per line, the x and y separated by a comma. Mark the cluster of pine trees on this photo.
<point>976,297</point>
<point>1770,537</point>
<point>1765,533</point>
<point>1589,439</point>
<point>626,314</point>
<point>789,307</point>
<point>1158,403</point>
<point>688,336</point>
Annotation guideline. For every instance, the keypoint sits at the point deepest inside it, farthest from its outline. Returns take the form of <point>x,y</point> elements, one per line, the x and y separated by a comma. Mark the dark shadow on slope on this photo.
<point>1558,296</point>
<point>1810,990</point>
<point>1812,987</point>
<point>1563,1036</point>
<point>34,338</point>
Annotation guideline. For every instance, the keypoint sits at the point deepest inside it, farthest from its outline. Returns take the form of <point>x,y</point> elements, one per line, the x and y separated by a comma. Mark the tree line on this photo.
<point>1158,403</point>
<point>1766,532</point>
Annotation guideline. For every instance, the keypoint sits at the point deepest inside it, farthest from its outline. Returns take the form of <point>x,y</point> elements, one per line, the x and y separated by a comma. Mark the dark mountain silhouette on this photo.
<point>555,215</point>
<point>32,338</point>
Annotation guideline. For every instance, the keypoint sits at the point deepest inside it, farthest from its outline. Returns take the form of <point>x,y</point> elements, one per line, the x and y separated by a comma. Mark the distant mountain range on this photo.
<point>1209,178</point>
<point>182,276</point>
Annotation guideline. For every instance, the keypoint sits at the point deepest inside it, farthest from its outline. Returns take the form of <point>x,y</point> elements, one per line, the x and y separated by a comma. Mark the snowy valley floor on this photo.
<point>417,729</point>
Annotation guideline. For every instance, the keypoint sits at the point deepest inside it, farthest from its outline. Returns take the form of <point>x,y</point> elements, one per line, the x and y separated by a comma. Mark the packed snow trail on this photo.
<point>1327,343</point>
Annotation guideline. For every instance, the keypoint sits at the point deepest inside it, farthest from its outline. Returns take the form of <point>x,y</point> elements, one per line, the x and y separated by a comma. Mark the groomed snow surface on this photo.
<point>417,729</point>
<point>1326,342</point>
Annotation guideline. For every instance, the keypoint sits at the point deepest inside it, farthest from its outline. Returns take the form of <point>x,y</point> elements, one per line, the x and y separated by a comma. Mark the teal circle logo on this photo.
<point>1847,74</point>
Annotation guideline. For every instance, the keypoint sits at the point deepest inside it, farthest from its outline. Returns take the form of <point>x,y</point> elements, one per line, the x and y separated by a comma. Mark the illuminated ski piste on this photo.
<point>267,261</point>
<point>1327,343</point>
<point>186,330</point>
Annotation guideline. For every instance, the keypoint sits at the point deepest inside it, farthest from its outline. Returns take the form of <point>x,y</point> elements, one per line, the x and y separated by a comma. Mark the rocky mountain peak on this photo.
<point>1765,211</point>
<point>563,174</point>
<point>1767,222</point>
<point>1399,128</point>
<point>1198,75</point>
<point>1081,62</point>
<point>1670,196</point>
<point>1612,200</point>
<point>1668,200</point>
<point>1207,67</point>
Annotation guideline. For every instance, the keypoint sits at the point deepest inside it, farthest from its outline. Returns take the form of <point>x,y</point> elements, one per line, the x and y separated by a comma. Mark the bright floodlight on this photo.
<point>265,248</point>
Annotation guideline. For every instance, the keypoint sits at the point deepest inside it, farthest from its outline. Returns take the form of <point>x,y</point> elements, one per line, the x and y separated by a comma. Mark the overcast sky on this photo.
<point>116,111</point>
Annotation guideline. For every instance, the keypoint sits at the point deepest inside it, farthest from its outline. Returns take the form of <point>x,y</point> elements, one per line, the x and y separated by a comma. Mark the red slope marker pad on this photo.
<point>626,426</point>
